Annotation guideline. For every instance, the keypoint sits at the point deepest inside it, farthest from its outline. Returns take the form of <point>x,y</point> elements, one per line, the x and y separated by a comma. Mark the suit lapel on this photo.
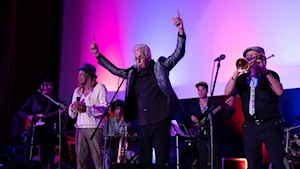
<point>132,77</point>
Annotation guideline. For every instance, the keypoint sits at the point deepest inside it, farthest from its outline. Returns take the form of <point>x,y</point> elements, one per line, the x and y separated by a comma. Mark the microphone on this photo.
<point>220,58</point>
<point>78,99</point>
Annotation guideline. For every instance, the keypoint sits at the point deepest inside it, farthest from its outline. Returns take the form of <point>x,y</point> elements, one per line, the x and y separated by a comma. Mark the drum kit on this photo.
<point>292,146</point>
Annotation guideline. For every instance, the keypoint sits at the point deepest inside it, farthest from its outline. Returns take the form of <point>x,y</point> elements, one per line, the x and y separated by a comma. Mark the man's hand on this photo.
<point>178,23</point>
<point>94,47</point>
<point>259,65</point>
<point>62,111</point>
<point>117,134</point>
<point>194,119</point>
<point>78,107</point>
<point>31,116</point>
<point>230,101</point>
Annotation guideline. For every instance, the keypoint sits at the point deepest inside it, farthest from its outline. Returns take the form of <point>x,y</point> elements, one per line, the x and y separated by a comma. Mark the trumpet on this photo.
<point>243,65</point>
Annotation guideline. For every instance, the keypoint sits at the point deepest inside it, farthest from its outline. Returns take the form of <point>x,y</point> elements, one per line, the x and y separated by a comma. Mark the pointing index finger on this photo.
<point>178,14</point>
<point>94,41</point>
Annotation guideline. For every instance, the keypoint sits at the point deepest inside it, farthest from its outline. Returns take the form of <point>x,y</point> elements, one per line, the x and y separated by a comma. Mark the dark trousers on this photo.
<point>204,148</point>
<point>271,134</point>
<point>155,135</point>
<point>47,148</point>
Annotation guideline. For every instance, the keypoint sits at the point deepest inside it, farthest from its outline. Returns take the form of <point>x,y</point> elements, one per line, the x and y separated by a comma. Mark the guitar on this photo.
<point>40,117</point>
<point>197,129</point>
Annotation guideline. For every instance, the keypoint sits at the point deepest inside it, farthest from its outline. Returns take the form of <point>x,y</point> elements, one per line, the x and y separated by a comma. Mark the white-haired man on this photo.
<point>149,96</point>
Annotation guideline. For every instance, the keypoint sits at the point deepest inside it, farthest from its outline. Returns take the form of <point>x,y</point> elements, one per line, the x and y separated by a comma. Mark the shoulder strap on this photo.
<point>48,107</point>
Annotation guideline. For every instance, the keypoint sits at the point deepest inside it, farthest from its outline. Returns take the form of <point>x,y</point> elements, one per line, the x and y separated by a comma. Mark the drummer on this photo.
<point>116,121</point>
<point>116,127</point>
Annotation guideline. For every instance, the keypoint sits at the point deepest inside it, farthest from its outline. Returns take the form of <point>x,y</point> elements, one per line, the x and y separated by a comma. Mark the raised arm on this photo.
<point>230,87</point>
<point>274,82</point>
<point>179,52</point>
<point>103,61</point>
<point>271,77</point>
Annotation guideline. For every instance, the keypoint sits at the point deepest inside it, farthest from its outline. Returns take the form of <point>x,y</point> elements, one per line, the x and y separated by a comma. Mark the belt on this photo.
<point>256,121</point>
<point>261,121</point>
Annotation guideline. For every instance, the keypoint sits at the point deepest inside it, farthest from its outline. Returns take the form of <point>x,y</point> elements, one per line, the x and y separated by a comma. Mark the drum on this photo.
<point>297,139</point>
<point>132,157</point>
<point>288,163</point>
<point>294,146</point>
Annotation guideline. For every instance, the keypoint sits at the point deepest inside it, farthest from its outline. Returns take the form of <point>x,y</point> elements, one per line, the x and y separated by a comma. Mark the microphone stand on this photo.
<point>32,137</point>
<point>60,106</point>
<point>106,114</point>
<point>211,120</point>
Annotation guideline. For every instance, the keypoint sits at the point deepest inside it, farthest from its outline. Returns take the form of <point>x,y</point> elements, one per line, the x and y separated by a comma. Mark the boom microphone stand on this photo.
<point>106,114</point>
<point>211,120</point>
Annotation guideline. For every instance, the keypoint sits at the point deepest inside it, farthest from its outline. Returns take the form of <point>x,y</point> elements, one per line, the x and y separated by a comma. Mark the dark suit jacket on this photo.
<point>162,68</point>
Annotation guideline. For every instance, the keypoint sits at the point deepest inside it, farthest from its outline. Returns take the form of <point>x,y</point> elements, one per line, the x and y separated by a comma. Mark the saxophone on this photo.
<point>123,145</point>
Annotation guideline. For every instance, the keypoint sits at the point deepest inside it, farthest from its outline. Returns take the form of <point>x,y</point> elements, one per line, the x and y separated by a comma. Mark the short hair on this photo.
<point>47,79</point>
<point>259,50</point>
<point>115,104</point>
<point>144,48</point>
<point>202,83</point>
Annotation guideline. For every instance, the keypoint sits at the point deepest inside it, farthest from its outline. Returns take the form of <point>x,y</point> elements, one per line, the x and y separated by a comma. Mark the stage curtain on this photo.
<point>7,52</point>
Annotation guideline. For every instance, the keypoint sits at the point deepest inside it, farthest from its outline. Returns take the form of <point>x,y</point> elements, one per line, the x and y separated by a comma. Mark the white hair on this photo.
<point>144,48</point>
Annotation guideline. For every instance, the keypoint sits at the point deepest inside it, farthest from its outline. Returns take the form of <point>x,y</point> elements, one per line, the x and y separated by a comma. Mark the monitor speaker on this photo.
<point>22,164</point>
<point>137,166</point>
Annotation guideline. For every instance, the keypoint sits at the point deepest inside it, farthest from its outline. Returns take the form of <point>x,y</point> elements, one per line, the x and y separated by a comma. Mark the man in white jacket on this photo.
<point>89,102</point>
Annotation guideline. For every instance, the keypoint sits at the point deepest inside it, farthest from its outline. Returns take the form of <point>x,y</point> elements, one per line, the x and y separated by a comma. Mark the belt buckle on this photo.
<point>257,121</point>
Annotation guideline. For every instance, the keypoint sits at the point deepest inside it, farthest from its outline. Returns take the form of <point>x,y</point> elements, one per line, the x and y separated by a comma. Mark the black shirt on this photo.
<point>266,101</point>
<point>151,101</point>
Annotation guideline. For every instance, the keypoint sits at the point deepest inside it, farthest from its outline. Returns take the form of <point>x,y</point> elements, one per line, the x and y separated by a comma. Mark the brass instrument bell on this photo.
<point>243,65</point>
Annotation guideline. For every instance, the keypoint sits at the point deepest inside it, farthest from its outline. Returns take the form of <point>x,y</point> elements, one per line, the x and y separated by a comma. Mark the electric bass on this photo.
<point>197,129</point>
<point>38,121</point>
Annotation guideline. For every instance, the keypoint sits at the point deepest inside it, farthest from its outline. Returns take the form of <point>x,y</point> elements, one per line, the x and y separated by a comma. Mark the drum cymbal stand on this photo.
<point>287,130</point>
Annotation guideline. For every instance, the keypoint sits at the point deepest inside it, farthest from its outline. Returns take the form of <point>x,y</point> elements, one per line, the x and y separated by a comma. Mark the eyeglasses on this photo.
<point>141,58</point>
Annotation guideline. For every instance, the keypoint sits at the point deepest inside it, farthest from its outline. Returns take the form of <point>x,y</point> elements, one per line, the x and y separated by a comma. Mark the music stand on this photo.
<point>176,131</point>
<point>185,130</point>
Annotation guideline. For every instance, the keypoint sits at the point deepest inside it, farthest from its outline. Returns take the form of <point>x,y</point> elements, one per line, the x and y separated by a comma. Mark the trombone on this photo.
<point>243,65</point>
